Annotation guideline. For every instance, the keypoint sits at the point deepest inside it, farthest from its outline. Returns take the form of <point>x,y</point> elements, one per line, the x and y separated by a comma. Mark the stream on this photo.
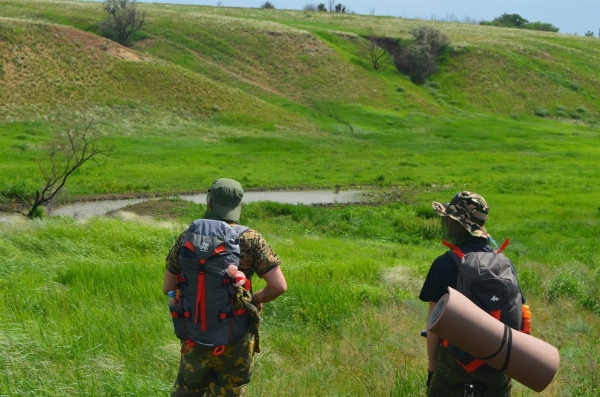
<point>82,210</point>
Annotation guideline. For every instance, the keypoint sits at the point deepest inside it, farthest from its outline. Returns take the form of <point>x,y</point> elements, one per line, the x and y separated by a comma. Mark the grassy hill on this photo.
<point>293,58</point>
<point>47,65</point>
<point>272,79</point>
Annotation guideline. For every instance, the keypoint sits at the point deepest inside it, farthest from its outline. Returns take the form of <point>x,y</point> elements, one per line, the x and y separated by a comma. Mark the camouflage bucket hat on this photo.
<point>470,209</point>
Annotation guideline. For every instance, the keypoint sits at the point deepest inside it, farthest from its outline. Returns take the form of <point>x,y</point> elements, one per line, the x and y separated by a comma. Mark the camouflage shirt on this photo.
<point>257,255</point>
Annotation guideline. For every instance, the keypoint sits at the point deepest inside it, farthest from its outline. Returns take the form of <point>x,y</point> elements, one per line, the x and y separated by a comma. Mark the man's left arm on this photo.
<point>276,285</point>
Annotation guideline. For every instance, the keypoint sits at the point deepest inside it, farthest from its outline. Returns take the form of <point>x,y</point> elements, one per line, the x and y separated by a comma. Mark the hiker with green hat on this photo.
<point>451,371</point>
<point>216,257</point>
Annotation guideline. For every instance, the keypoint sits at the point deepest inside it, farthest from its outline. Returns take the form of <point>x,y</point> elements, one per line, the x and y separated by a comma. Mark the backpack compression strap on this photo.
<point>478,362</point>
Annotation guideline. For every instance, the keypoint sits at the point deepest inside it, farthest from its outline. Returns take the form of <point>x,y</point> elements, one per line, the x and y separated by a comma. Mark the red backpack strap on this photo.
<point>454,249</point>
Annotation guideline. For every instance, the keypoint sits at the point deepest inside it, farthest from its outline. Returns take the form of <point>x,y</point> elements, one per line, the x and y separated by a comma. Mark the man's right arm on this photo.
<point>433,342</point>
<point>172,265</point>
<point>169,282</point>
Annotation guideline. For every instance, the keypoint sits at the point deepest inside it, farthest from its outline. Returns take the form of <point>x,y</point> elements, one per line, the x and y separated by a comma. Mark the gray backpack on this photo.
<point>488,279</point>
<point>206,310</point>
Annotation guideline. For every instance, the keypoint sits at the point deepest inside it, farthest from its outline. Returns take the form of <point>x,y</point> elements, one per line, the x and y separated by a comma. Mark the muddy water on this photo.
<point>307,197</point>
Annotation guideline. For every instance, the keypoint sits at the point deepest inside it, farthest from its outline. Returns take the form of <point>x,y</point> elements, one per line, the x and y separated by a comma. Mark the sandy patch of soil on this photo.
<point>91,41</point>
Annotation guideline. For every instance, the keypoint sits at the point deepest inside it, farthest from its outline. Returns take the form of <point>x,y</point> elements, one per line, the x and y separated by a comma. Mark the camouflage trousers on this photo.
<point>449,378</point>
<point>203,374</point>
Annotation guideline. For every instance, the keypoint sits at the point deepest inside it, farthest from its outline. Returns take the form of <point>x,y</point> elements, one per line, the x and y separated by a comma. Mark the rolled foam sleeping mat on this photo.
<point>530,360</point>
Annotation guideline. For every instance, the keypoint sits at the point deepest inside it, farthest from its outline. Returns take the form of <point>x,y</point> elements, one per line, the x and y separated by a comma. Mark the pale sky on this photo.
<point>570,16</point>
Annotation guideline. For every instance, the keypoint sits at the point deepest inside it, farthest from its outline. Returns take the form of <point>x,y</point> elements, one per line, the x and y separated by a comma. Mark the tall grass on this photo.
<point>85,315</point>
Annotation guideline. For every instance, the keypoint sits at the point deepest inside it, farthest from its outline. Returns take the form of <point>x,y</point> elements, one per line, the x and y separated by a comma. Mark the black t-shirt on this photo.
<point>444,271</point>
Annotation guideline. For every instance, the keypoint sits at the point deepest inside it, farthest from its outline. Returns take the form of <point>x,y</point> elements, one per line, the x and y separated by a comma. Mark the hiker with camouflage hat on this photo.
<point>226,370</point>
<point>463,224</point>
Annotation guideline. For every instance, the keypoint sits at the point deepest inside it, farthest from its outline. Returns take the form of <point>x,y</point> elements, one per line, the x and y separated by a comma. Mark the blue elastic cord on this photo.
<point>494,243</point>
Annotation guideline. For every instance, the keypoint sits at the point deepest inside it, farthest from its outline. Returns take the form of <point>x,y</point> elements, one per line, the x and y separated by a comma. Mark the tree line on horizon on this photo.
<point>125,19</point>
<point>505,20</point>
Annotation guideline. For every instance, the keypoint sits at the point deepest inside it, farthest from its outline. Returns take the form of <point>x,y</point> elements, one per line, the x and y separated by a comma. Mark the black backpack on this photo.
<point>208,309</point>
<point>488,279</point>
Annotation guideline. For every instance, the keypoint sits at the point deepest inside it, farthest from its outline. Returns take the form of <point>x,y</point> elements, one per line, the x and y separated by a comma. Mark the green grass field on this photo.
<point>283,100</point>
<point>85,315</point>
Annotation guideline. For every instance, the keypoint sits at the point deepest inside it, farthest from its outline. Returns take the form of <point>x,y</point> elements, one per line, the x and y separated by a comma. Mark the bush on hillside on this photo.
<point>268,5</point>
<point>321,7</point>
<point>123,20</point>
<point>418,60</point>
<point>310,7</point>
<point>541,26</point>
<point>438,42</point>
<point>518,22</point>
<point>541,112</point>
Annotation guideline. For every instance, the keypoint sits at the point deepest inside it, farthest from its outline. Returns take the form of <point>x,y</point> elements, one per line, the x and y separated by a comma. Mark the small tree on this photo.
<point>321,7</point>
<point>124,19</point>
<point>310,7</point>
<point>268,5</point>
<point>589,33</point>
<point>75,144</point>
<point>340,8</point>
<point>331,4</point>
<point>375,54</point>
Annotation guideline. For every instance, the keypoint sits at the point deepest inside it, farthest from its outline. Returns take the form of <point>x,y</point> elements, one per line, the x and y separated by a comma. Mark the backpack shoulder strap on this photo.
<point>240,229</point>
<point>455,252</point>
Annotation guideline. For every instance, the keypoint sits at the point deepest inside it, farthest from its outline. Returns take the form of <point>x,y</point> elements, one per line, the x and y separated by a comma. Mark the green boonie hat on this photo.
<point>226,196</point>
<point>470,209</point>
